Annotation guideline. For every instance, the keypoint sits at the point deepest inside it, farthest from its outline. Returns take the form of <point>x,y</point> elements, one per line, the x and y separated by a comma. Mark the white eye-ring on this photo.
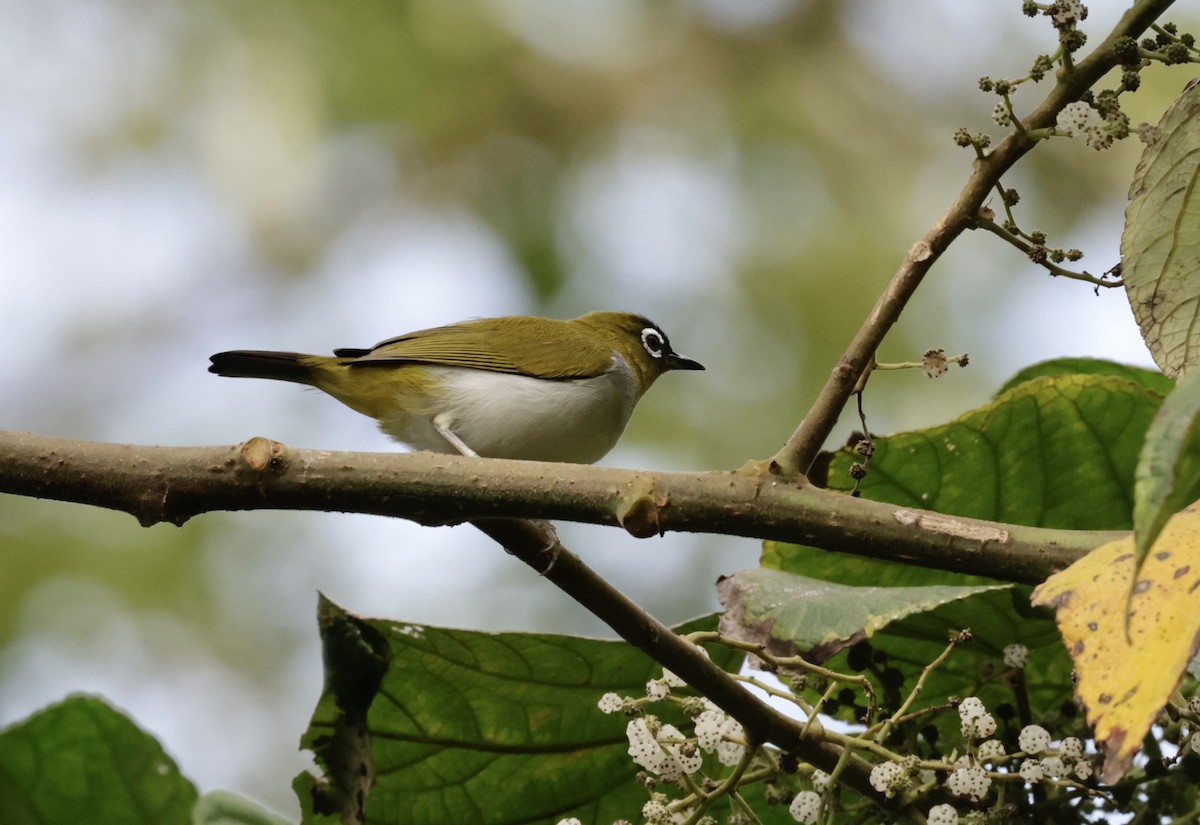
<point>653,341</point>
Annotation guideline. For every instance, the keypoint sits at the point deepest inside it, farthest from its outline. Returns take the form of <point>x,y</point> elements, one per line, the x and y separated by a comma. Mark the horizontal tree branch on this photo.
<point>173,484</point>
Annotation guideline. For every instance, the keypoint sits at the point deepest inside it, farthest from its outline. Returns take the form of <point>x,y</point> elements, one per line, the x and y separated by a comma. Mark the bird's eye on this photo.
<point>653,341</point>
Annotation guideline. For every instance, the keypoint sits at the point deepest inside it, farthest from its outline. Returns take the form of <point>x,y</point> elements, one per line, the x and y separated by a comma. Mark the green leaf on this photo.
<point>1168,471</point>
<point>473,727</point>
<point>1152,380</point>
<point>817,618</point>
<point>225,808</point>
<point>897,631</point>
<point>1058,451</point>
<point>81,761</point>
<point>1160,246</point>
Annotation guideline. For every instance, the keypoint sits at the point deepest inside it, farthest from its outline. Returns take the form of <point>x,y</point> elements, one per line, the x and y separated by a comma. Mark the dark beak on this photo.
<point>675,361</point>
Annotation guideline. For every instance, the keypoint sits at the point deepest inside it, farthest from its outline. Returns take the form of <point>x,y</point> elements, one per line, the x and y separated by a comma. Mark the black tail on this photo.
<point>243,363</point>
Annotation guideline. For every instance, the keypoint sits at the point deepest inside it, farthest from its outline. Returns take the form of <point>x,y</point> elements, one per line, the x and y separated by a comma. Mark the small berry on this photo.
<point>1072,39</point>
<point>1125,50</point>
<point>1042,65</point>
<point>1177,53</point>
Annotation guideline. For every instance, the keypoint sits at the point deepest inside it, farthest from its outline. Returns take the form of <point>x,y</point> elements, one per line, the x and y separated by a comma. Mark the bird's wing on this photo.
<point>537,347</point>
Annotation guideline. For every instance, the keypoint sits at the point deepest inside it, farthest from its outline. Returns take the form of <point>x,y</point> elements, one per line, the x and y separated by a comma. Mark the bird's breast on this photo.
<point>515,416</point>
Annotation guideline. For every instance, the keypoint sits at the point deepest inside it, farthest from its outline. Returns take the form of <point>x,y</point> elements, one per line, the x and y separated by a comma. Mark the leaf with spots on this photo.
<point>1160,245</point>
<point>464,726</point>
<point>1124,681</point>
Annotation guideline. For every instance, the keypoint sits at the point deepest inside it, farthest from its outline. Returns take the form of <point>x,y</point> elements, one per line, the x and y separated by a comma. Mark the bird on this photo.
<point>518,387</point>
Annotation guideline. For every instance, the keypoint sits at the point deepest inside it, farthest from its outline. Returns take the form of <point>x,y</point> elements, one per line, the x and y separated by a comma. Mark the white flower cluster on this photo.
<point>1076,118</point>
<point>1031,770</point>
<point>1016,655</point>
<point>943,815</point>
<point>977,723</point>
<point>991,751</point>
<point>1033,739</point>
<point>806,807</point>
<point>889,778</point>
<point>666,753</point>
<point>972,783</point>
<point>656,812</point>
<point>1081,119</point>
<point>611,703</point>
<point>718,731</point>
<point>1068,760</point>
<point>1001,115</point>
<point>657,690</point>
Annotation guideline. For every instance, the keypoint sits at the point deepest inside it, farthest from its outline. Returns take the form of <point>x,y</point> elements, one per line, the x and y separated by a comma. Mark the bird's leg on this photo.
<point>441,423</point>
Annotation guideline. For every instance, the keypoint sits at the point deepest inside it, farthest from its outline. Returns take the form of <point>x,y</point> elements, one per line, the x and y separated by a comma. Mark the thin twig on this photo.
<point>796,457</point>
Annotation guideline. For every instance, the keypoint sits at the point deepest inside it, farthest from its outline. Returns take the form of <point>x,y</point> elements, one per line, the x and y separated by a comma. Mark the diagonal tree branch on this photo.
<point>536,544</point>
<point>173,484</point>
<point>797,455</point>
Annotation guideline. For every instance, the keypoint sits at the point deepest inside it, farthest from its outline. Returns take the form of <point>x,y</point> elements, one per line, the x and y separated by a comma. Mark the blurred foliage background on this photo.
<point>181,178</point>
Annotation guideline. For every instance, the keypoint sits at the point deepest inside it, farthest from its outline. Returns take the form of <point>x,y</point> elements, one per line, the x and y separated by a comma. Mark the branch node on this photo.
<point>640,509</point>
<point>260,454</point>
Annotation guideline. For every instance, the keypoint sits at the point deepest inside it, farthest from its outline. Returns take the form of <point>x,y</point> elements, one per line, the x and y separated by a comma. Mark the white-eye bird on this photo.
<point>515,387</point>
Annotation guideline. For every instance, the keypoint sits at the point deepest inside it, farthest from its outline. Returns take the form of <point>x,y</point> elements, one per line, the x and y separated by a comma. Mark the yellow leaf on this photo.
<point>1125,681</point>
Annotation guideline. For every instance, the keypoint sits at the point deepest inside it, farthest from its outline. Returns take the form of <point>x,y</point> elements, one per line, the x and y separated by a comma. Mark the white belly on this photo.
<point>513,416</point>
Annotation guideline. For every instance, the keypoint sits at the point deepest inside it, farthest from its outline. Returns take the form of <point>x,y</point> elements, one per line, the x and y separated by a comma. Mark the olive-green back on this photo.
<point>538,347</point>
